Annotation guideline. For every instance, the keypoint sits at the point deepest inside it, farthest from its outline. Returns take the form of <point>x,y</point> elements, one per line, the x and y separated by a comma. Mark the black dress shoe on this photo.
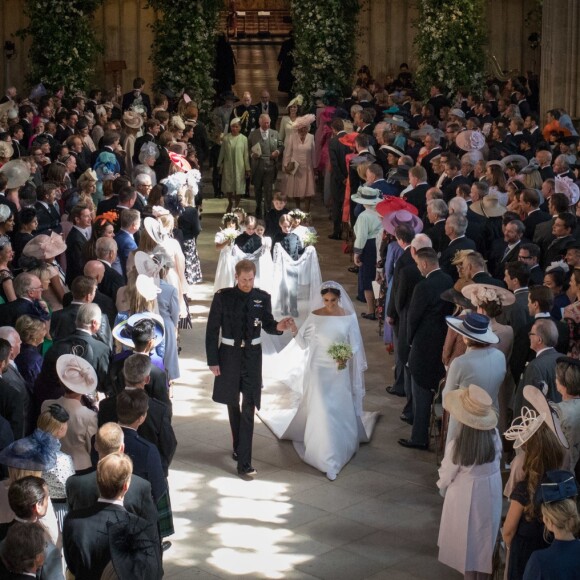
<point>334,237</point>
<point>406,418</point>
<point>234,456</point>
<point>413,445</point>
<point>353,269</point>
<point>247,470</point>
<point>392,391</point>
<point>165,545</point>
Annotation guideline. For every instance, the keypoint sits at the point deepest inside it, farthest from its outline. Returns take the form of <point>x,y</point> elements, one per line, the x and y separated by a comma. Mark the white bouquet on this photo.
<point>341,352</point>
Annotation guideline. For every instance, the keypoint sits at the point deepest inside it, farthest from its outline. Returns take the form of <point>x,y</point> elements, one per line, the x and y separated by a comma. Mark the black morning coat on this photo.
<point>239,316</point>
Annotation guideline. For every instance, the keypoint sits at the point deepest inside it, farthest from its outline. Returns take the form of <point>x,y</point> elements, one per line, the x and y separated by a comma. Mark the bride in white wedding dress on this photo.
<point>308,399</point>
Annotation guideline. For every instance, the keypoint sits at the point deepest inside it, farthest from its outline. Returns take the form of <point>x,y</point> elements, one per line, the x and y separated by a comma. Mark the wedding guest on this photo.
<point>470,481</point>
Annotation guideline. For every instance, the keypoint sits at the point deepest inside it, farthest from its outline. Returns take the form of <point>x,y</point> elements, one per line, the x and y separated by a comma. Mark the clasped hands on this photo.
<point>287,324</point>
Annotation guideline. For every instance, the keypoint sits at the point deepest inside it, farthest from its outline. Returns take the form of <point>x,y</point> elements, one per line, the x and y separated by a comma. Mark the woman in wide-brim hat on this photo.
<point>298,163</point>
<point>470,480</point>
<point>132,123</point>
<point>287,121</point>
<point>490,206</point>
<point>368,231</point>
<point>402,217</point>
<point>481,361</point>
<point>39,258</point>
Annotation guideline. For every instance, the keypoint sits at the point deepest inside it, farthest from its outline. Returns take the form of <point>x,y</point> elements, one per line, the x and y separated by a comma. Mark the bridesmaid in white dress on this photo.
<point>327,423</point>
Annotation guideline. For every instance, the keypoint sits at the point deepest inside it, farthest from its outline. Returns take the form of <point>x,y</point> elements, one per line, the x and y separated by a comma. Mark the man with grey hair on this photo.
<point>28,289</point>
<point>437,213</point>
<point>106,250</point>
<point>88,322</point>
<point>143,185</point>
<point>264,163</point>
<point>157,427</point>
<point>562,167</point>
<point>506,250</point>
<point>455,227</point>
<point>458,206</point>
<point>431,143</point>
<point>541,371</point>
<point>474,269</point>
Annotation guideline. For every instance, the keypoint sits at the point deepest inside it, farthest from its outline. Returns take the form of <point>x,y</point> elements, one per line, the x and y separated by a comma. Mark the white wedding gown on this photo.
<point>308,400</point>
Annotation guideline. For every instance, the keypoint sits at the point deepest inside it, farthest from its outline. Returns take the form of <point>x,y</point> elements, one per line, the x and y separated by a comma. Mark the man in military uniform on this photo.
<point>240,313</point>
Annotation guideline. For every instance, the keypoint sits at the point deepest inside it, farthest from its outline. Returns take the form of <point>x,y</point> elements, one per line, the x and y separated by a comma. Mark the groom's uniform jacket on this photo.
<point>241,317</point>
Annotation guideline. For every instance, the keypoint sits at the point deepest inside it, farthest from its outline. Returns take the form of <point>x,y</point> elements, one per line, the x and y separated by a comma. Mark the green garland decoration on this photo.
<point>64,46</point>
<point>324,33</point>
<point>183,51</point>
<point>450,44</point>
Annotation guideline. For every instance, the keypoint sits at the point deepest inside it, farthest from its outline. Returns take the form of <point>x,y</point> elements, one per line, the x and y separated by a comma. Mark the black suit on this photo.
<point>556,250</point>
<point>82,492</point>
<point>63,324</point>
<point>162,164</point>
<point>438,236</point>
<point>48,219</point>
<point>417,197</point>
<point>450,188</point>
<point>75,242</point>
<point>10,312</point>
<point>6,437</point>
<point>129,98</point>
<point>12,408</point>
<point>531,222</point>
<point>438,101</point>
<point>449,252</point>
<point>146,462</point>
<point>428,166</point>
<point>85,537</point>
<point>497,257</point>
<point>337,153</point>
<point>426,332</point>
<point>485,278</point>
<point>536,276</point>
<point>547,172</point>
<point>108,204</point>
<point>111,282</point>
<point>156,428</point>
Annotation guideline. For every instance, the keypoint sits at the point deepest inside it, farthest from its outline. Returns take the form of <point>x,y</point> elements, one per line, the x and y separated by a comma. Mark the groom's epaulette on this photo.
<point>262,292</point>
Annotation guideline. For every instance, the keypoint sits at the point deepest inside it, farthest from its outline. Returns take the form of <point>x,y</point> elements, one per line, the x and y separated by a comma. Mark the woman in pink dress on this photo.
<point>298,163</point>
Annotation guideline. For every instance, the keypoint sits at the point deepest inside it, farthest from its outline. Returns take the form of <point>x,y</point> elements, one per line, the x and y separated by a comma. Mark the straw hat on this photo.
<point>37,452</point>
<point>397,218</point>
<point>76,374</point>
<point>154,229</point>
<point>524,426</point>
<point>43,247</point>
<point>146,287</point>
<point>16,171</point>
<point>490,206</point>
<point>478,293</point>
<point>470,140</point>
<point>472,407</point>
<point>538,400</point>
<point>474,326</point>
<point>132,120</point>
<point>367,196</point>
<point>6,150</point>
<point>123,331</point>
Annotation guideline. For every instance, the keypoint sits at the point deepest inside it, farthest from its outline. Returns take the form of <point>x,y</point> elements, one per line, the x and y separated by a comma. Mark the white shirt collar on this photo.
<point>544,350</point>
<point>118,502</point>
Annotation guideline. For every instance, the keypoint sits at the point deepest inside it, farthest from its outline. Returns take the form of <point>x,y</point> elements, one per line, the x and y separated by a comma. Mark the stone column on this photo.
<point>560,71</point>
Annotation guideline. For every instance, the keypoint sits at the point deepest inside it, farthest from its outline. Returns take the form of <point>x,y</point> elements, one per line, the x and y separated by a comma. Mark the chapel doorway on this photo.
<point>256,30</point>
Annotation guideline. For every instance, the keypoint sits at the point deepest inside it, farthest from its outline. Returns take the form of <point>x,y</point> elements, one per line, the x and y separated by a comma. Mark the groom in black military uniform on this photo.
<point>240,313</point>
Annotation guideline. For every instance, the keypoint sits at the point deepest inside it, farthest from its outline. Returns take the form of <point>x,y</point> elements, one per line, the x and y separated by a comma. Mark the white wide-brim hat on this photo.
<point>146,287</point>
<point>76,374</point>
<point>367,196</point>
<point>475,332</point>
<point>154,229</point>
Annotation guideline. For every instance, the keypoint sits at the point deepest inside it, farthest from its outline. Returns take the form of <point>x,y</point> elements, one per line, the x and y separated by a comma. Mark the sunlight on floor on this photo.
<point>253,550</point>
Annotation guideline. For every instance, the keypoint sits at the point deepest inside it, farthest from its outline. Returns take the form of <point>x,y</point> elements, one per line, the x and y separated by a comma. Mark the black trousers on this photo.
<point>337,202</point>
<point>422,400</point>
<point>242,425</point>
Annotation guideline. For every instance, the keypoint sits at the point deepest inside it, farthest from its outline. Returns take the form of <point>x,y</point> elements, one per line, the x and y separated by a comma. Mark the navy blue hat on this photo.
<point>475,326</point>
<point>556,485</point>
<point>37,452</point>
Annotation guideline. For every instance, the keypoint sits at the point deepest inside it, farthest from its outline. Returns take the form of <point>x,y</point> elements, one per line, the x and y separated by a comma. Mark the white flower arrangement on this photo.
<point>449,41</point>
<point>226,234</point>
<point>63,45</point>
<point>340,352</point>
<point>310,239</point>
<point>484,296</point>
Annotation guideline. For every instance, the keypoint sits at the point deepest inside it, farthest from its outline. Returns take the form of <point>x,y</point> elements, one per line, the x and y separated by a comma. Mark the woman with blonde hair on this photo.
<point>557,495</point>
<point>54,422</point>
<point>29,361</point>
<point>538,434</point>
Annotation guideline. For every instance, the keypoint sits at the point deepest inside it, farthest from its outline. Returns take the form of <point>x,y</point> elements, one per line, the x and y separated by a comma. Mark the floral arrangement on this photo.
<point>64,46</point>
<point>310,239</point>
<point>324,32</point>
<point>450,44</point>
<point>226,234</point>
<point>340,352</point>
<point>297,214</point>
<point>184,48</point>
<point>484,296</point>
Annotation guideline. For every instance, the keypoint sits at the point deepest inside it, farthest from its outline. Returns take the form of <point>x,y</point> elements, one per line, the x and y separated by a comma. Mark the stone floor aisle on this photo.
<point>379,519</point>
